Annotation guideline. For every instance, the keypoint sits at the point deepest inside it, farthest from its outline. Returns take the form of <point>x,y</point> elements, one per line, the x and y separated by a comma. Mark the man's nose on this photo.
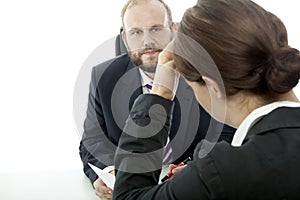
<point>148,39</point>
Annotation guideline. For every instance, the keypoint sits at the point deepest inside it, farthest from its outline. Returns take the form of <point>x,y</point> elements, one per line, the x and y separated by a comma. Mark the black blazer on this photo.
<point>266,166</point>
<point>115,84</point>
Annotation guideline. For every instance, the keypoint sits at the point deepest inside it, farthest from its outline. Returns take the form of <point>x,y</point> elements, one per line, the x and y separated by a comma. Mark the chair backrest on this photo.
<point>120,47</point>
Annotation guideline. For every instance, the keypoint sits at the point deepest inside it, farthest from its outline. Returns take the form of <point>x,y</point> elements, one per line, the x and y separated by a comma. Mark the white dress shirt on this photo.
<point>144,81</point>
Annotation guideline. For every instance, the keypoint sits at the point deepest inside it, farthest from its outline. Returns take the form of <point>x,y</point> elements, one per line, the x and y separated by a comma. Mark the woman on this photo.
<point>257,72</point>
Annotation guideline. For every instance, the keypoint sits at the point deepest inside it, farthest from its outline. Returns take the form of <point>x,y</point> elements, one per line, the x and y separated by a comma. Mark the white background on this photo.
<point>43,45</point>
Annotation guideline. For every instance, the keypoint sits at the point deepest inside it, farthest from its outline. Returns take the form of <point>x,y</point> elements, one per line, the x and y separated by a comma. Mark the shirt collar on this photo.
<point>144,78</point>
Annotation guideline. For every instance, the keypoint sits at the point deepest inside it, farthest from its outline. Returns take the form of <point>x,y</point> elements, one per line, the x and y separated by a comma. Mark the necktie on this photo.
<point>167,157</point>
<point>149,86</point>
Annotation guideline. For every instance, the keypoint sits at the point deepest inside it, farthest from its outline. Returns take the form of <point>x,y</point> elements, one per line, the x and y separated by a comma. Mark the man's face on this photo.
<point>146,33</point>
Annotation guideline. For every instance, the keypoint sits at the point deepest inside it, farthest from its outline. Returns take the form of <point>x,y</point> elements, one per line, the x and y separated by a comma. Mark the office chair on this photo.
<point>119,44</point>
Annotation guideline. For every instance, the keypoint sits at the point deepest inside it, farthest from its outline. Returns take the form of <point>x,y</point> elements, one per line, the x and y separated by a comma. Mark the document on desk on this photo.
<point>107,178</point>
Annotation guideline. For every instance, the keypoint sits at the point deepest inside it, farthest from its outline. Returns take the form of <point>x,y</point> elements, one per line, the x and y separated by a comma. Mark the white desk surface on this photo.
<point>49,185</point>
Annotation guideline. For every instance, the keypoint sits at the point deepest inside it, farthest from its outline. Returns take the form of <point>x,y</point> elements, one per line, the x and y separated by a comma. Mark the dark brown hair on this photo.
<point>131,3</point>
<point>248,44</point>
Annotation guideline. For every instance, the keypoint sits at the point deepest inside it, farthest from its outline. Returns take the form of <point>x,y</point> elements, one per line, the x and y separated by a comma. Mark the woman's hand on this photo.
<point>166,77</point>
<point>175,168</point>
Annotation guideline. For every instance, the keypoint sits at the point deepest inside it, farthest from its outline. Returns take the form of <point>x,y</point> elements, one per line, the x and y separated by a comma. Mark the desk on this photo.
<point>49,185</point>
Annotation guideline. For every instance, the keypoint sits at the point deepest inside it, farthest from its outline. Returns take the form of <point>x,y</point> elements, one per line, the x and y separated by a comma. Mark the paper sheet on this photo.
<point>107,178</point>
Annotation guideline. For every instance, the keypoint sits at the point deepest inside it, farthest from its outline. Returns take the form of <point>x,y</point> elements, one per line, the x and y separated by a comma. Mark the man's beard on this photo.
<point>136,59</point>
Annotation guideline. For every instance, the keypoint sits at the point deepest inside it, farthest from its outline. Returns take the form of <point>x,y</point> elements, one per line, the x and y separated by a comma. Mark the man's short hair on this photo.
<point>131,3</point>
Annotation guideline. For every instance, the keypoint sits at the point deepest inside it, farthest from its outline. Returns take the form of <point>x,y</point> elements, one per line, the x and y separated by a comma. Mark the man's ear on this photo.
<point>213,86</point>
<point>124,39</point>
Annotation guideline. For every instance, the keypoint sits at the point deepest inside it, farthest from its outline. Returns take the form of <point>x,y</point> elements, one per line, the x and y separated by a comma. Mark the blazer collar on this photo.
<point>255,116</point>
<point>130,84</point>
<point>283,117</point>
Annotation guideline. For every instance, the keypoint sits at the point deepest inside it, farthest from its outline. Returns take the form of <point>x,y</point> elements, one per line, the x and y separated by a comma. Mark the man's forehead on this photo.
<point>146,15</point>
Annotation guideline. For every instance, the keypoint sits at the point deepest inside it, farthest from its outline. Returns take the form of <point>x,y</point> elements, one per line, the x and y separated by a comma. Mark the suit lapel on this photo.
<point>132,84</point>
<point>186,115</point>
<point>124,93</point>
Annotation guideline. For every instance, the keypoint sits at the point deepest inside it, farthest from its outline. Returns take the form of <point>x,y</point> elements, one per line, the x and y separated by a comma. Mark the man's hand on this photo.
<point>101,190</point>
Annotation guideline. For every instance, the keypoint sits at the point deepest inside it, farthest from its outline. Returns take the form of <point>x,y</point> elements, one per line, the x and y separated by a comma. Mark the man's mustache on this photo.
<point>143,51</point>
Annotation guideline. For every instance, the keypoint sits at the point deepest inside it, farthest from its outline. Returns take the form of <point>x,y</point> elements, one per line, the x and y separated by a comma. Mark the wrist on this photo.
<point>162,91</point>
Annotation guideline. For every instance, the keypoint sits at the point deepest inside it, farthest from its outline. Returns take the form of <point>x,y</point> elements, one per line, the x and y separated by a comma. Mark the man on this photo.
<point>115,84</point>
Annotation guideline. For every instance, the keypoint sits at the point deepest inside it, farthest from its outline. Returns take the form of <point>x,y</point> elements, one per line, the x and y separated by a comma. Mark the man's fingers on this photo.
<point>107,195</point>
<point>102,190</point>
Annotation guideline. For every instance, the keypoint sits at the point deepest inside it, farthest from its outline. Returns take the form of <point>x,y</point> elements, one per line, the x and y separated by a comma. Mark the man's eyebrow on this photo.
<point>157,25</point>
<point>134,28</point>
<point>153,26</point>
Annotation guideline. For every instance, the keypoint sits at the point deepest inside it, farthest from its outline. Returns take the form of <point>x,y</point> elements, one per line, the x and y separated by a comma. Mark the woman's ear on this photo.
<point>174,26</point>
<point>213,86</point>
<point>174,29</point>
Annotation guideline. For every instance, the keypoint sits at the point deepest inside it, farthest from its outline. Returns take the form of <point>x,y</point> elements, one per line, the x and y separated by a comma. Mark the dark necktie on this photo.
<point>149,86</point>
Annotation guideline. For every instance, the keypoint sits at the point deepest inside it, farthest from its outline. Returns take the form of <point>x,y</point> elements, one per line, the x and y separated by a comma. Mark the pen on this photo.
<point>170,174</point>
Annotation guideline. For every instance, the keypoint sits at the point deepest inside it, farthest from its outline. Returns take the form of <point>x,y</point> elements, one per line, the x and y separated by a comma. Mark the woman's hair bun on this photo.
<point>283,71</point>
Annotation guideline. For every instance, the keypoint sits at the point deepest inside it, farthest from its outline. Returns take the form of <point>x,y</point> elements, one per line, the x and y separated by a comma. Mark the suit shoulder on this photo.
<point>119,62</point>
<point>107,73</point>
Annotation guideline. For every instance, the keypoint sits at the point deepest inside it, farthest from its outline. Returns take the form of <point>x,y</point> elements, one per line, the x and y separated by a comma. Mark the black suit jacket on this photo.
<point>115,84</point>
<point>265,167</point>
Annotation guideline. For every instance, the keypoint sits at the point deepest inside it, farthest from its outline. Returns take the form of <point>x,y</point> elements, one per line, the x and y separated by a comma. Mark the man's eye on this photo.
<point>136,32</point>
<point>155,29</point>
